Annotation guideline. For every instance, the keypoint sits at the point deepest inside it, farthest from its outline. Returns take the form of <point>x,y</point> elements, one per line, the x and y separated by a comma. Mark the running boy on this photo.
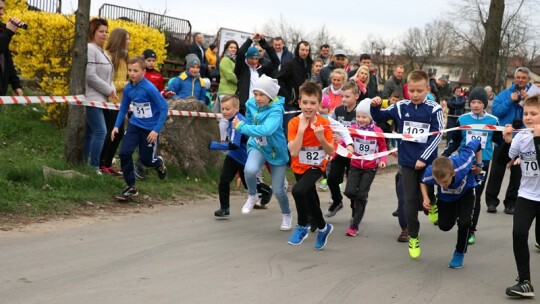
<point>309,143</point>
<point>524,148</point>
<point>362,172</point>
<point>455,180</point>
<point>149,113</point>
<point>264,125</point>
<point>415,116</point>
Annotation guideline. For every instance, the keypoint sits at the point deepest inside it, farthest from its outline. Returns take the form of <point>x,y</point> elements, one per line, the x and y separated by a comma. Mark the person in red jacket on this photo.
<point>151,74</point>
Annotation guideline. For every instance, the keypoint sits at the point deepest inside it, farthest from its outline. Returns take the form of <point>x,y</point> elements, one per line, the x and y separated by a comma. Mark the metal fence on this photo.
<point>180,27</point>
<point>51,6</point>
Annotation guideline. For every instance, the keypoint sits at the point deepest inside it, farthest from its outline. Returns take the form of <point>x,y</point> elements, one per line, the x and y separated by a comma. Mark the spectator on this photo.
<point>9,74</point>
<point>99,86</point>
<point>436,86</point>
<point>198,49</point>
<point>316,67</point>
<point>283,53</point>
<point>491,97</point>
<point>338,62</point>
<point>365,59</point>
<point>189,83</point>
<point>151,73</point>
<point>456,107</point>
<point>353,68</point>
<point>362,79</point>
<point>338,78</point>
<point>325,54</point>
<point>227,62</point>
<point>211,55</point>
<point>394,83</point>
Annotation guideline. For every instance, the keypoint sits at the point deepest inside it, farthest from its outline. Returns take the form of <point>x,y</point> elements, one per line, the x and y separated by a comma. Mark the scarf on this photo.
<point>230,56</point>
<point>361,86</point>
<point>336,92</point>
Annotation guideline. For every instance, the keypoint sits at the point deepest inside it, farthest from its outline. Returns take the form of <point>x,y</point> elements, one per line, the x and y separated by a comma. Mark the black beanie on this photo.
<point>148,53</point>
<point>479,94</point>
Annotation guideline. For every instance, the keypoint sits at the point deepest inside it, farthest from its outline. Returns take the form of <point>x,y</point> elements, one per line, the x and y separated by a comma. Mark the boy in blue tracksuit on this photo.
<point>189,83</point>
<point>149,113</point>
<point>478,101</point>
<point>415,116</point>
<point>236,157</point>
<point>455,180</point>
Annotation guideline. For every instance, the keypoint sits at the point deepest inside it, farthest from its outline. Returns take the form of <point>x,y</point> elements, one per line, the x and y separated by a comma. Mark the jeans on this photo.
<point>94,137</point>
<point>253,164</point>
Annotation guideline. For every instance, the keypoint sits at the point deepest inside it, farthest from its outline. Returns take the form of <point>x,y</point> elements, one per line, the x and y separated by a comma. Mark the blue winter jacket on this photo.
<point>428,112</point>
<point>185,85</point>
<point>505,109</point>
<point>236,143</point>
<point>264,125</point>
<point>464,180</point>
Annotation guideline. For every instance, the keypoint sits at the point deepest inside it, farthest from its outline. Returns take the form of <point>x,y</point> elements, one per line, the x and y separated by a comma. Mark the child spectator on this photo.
<point>338,77</point>
<point>362,171</point>
<point>264,125</point>
<point>189,83</point>
<point>309,143</point>
<point>149,113</point>
<point>339,165</point>
<point>524,149</point>
<point>459,138</point>
<point>316,68</point>
<point>151,73</point>
<point>455,180</point>
<point>211,55</point>
<point>415,116</point>
<point>236,157</point>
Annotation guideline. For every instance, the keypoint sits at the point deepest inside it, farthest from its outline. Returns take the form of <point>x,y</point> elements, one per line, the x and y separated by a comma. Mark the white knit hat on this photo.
<point>364,107</point>
<point>268,86</point>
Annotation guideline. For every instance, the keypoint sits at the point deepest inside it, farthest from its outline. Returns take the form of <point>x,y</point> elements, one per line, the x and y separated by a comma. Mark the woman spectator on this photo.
<point>117,49</point>
<point>99,86</point>
<point>361,78</point>
<point>227,80</point>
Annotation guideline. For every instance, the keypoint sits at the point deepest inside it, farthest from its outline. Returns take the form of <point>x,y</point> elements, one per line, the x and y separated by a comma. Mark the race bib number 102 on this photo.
<point>414,128</point>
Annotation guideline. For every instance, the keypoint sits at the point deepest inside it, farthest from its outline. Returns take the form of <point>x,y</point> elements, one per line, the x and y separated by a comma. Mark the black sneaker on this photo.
<point>140,172</point>
<point>395,213</point>
<point>334,208</point>
<point>266,196</point>
<point>522,289</point>
<point>128,192</point>
<point>509,210</point>
<point>161,170</point>
<point>222,212</point>
<point>492,209</point>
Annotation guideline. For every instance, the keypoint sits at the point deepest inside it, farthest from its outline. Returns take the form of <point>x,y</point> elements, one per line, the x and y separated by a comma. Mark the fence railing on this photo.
<point>51,6</point>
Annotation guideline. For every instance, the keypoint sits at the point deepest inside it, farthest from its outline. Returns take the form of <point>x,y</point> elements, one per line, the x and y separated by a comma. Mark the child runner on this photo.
<point>415,116</point>
<point>478,115</point>
<point>455,180</point>
<point>236,158</point>
<point>264,125</point>
<point>524,148</point>
<point>309,143</point>
<point>362,172</point>
<point>149,113</point>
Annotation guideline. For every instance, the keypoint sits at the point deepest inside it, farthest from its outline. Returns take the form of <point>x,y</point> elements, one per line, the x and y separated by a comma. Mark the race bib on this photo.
<point>529,165</point>
<point>364,147</point>
<point>480,135</point>
<point>312,156</point>
<point>413,128</point>
<point>142,110</point>
<point>261,141</point>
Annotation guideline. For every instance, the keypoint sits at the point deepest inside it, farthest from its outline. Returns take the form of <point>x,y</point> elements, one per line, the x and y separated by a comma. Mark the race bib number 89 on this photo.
<point>312,156</point>
<point>364,147</point>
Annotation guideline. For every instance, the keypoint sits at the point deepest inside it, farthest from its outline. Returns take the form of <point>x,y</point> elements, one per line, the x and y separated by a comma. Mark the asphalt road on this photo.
<point>182,254</point>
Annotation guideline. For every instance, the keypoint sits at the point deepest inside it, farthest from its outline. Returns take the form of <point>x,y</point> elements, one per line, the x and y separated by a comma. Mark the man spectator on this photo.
<point>437,85</point>
<point>338,62</point>
<point>491,97</point>
<point>365,60</point>
<point>283,53</point>
<point>324,54</point>
<point>394,83</point>
<point>198,49</point>
<point>508,109</point>
<point>8,74</point>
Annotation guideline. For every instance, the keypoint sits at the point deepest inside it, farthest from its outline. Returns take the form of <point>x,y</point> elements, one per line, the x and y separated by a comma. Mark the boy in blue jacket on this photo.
<point>149,113</point>
<point>456,181</point>
<point>189,83</point>
<point>235,160</point>
<point>415,116</point>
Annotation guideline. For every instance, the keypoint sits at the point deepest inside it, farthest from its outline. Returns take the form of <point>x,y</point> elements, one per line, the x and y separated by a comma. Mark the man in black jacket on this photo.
<point>372,89</point>
<point>8,74</point>
<point>248,68</point>
<point>198,49</point>
<point>338,62</point>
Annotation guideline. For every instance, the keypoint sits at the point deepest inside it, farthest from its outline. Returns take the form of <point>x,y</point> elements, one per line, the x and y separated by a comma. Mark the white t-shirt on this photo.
<point>523,146</point>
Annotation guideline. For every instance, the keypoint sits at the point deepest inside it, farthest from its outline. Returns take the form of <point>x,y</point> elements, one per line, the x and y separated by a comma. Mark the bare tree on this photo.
<point>73,141</point>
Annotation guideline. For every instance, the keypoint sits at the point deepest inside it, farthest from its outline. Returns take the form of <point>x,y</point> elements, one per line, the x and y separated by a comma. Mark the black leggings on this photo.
<point>524,214</point>
<point>306,198</point>
<point>357,189</point>
<point>460,211</point>
<point>338,166</point>
<point>110,147</point>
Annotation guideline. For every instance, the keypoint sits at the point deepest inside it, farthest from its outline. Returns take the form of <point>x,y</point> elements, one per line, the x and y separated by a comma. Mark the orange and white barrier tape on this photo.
<point>342,151</point>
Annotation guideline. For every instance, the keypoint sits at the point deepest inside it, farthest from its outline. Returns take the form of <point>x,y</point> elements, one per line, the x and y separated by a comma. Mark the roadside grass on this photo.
<point>27,144</point>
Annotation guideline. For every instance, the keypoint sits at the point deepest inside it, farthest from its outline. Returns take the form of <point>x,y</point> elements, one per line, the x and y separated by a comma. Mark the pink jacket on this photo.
<point>369,145</point>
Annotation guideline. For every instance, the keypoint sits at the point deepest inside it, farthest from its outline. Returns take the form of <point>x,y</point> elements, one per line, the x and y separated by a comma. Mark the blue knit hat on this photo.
<point>252,52</point>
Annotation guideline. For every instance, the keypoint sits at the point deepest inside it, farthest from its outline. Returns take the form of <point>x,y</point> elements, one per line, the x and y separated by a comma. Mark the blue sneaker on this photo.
<point>457,260</point>
<point>300,233</point>
<point>322,237</point>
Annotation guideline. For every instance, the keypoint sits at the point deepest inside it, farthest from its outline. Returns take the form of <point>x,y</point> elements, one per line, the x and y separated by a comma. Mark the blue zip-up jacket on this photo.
<point>264,126</point>
<point>505,109</point>
<point>185,85</point>
<point>464,179</point>
<point>142,93</point>
<point>428,112</point>
<point>457,139</point>
<point>236,142</point>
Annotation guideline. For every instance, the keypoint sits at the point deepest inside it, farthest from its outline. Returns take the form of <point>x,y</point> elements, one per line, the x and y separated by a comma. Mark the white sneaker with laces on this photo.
<point>286,222</point>
<point>251,201</point>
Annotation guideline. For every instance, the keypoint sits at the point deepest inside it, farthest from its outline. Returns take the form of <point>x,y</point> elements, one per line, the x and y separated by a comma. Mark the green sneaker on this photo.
<point>472,239</point>
<point>433,214</point>
<point>414,248</point>
<point>323,185</point>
